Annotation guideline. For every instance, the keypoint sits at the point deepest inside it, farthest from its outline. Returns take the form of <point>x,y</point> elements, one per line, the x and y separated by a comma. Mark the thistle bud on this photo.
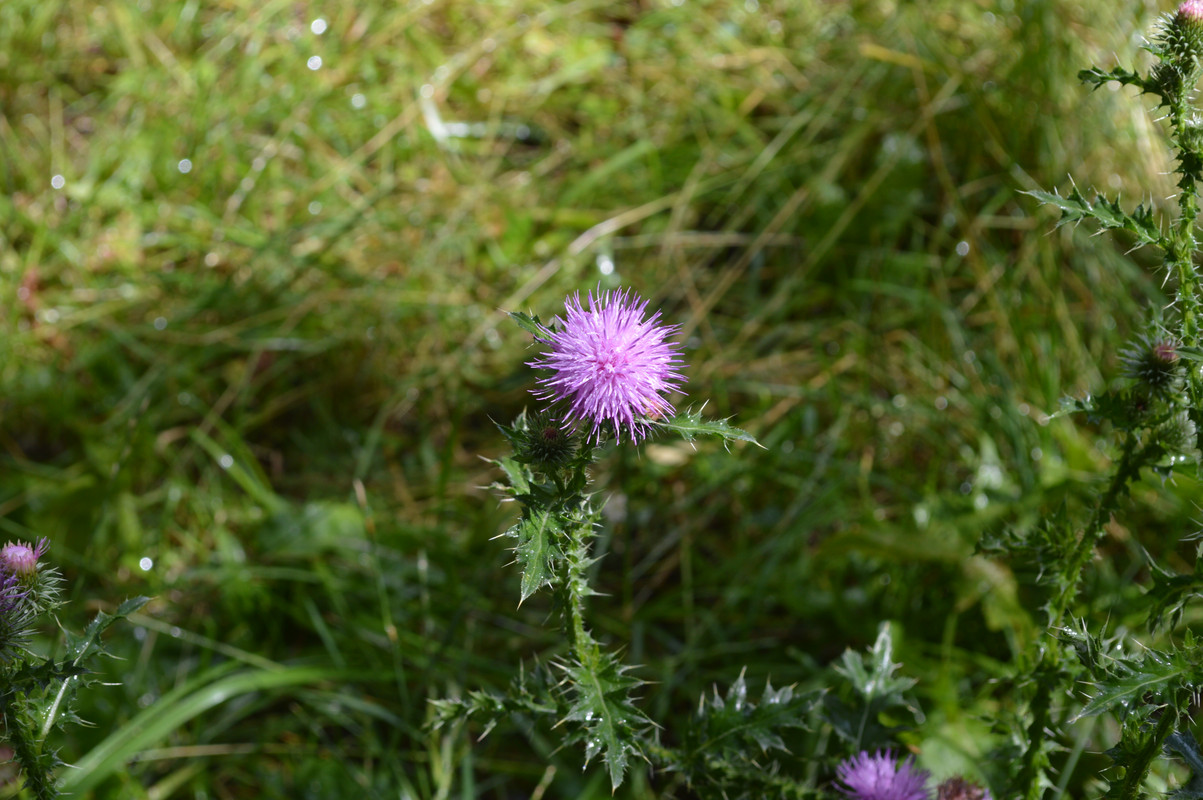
<point>21,560</point>
<point>1154,363</point>
<point>544,443</point>
<point>960,789</point>
<point>1179,435</point>
<point>1180,38</point>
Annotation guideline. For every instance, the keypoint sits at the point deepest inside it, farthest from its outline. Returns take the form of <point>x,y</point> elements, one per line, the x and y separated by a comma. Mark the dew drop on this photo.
<point>358,100</point>
<point>58,181</point>
<point>314,63</point>
<point>226,461</point>
<point>185,166</point>
<point>962,248</point>
<point>318,26</point>
<point>160,323</point>
<point>145,563</point>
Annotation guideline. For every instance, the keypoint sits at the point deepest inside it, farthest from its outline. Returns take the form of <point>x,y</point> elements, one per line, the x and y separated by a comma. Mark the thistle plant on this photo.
<point>608,370</point>
<point>1080,668</point>
<point>37,693</point>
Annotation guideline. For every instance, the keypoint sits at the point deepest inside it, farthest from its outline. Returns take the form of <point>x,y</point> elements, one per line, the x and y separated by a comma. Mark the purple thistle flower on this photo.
<point>610,365</point>
<point>1191,11</point>
<point>881,777</point>
<point>14,617</point>
<point>21,559</point>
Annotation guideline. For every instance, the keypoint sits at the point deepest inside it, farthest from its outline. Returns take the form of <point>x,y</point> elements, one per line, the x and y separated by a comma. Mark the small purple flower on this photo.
<point>20,559</point>
<point>1191,10</point>
<point>610,365</point>
<point>881,777</point>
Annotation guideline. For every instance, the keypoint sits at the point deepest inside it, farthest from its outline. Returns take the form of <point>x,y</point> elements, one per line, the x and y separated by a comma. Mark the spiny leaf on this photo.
<point>610,722</point>
<point>80,647</point>
<point>1171,591</point>
<point>492,706</point>
<point>690,425</point>
<point>1184,744</point>
<point>1096,76</point>
<point>41,674</point>
<point>530,324</point>
<point>875,680</point>
<point>536,534</point>
<point>517,473</point>
<point>727,747</point>
<point>733,721</point>
<point>1108,213</point>
<point>1127,682</point>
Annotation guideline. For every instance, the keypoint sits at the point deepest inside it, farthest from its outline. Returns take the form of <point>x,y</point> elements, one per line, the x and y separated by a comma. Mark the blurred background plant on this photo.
<point>251,261</point>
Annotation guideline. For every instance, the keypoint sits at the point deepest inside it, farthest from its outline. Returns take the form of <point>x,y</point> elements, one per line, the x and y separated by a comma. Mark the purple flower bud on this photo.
<point>1191,11</point>
<point>881,777</point>
<point>20,559</point>
<point>610,365</point>
<point>1153,362</point>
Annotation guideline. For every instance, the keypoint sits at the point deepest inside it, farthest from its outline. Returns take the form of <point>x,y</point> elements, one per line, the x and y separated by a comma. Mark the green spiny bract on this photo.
<point>1179,36</point>
<point>1178,435</point>
<point>543,443</point>
<point>1178,44</point>
<point>1153,362</point>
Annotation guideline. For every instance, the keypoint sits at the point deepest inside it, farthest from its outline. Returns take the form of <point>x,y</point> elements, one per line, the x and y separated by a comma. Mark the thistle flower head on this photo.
<point>1179,38</point>
<point>1179,435</point>
<point>543,442</point>
<point>960,789</point>
<point>1191,11</point>
<point>610,365</point>
<point>1153,362</point>
<point>881,777</point>
<point>21,559</point>
<point>40,585</point>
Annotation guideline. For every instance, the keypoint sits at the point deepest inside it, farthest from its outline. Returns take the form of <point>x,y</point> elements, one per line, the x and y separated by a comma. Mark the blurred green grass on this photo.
<point>252,347</point>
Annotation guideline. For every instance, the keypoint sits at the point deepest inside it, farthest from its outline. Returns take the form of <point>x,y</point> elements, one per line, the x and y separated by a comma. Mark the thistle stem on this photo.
<point>1128,469</point>
<point>26,751</point>
<point>1134,773</point>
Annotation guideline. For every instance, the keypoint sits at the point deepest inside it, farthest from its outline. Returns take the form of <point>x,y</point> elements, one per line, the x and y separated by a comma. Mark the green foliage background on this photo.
<point>271,372</point>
